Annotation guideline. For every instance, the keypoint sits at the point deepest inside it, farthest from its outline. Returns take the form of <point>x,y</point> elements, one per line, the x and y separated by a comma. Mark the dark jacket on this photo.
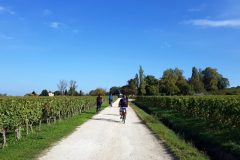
<point>99,100</point>
<point>123,102</point>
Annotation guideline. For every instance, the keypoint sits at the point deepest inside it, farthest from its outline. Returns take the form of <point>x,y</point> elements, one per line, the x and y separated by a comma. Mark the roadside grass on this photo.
<point>177,145</point>
<point>30,146</point>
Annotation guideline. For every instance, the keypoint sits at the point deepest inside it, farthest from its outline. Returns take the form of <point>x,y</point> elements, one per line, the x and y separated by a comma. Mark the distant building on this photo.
<point>50,94</point>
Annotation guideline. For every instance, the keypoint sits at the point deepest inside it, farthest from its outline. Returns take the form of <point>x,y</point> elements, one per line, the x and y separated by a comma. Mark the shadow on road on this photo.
<point>112,114</point>
<point>140,122</point>
<point>105,119</point>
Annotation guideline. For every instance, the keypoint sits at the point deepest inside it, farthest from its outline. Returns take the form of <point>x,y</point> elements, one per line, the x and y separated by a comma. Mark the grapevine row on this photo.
<point>224,109</point>
<point>22,113</point>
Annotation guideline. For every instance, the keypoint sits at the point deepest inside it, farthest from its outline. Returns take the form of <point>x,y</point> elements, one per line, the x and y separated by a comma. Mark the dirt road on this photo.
<point>104,137</point>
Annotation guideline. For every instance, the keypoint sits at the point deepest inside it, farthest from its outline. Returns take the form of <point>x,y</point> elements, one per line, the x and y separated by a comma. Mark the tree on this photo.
<point>72,88</point>
<point>132,86</point>
<point>196,81</point>
<point>57,93</point>
<point>126,90</point>
<point>44,93</point>
<point>152,90</point>
<point>31,94</point>
<point>182,83</point>
<point>151,80</point>
<point>167,84</point>
<point>81,93</point>
<point>179,73</point>
<point>142,83</point>
<point>210,79</point>
<point>34,93</point>
<point>62,86</point>
<point>184,87</point>
<point>65,92</point>
<point>115,90</point>
<point>137,82</point>
<point>223,83</point>
<point>152,87</point>
<point>98,91</point>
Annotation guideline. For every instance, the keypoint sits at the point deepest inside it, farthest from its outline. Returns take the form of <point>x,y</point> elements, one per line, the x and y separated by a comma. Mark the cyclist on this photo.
<point>99,102</point>
<point>123,104</point>
<point>110,98</point>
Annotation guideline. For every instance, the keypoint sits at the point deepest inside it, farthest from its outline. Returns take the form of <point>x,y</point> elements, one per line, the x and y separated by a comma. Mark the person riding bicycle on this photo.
<point>99,102</point>
<point>110,98</point>
<point>123,104</point>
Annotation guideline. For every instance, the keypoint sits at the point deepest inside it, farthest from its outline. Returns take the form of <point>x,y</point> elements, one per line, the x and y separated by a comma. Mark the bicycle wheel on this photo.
<point>124,118</point>
<point>98,109</point>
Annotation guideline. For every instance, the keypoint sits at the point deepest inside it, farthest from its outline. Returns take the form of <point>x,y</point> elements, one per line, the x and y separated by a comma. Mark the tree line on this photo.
<point>173,82</point>
<point>69,89</point>
<point>64,89</point>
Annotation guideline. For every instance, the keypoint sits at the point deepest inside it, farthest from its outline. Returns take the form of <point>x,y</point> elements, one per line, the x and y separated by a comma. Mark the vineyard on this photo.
<point>223,109</point>
<point>20,114</point>
<point>210,122</point>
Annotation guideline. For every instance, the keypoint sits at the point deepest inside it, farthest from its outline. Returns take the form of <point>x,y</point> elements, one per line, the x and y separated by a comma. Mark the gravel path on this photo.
<point>104,137</point>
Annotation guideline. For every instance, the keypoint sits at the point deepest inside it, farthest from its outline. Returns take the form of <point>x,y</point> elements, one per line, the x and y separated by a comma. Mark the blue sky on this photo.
<point>102,43</point>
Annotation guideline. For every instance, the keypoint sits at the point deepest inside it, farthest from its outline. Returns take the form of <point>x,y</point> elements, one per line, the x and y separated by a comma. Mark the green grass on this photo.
<point>29,147</point>
<point>177,145</point>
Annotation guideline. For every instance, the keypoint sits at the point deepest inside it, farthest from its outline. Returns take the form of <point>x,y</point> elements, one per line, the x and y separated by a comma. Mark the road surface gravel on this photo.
<point>105,137</point>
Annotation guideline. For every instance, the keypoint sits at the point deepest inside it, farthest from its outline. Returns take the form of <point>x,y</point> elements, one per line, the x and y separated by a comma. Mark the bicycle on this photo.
<point>123,115</point>
<point>98,109</point>
<point>110,103</point>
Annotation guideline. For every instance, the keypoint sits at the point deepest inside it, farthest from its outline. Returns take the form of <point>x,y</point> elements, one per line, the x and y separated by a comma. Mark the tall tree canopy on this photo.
<point>151,85</point>
<point>44,93</point>
<point>213,80</point>
<point>142,83</point>
<point>173,82</point>
<point>115,90</point>
<point>196,81</point>
<point>62,86</point>
<point>98,91</point>
<point>73,88</point>
<point>167,84</point>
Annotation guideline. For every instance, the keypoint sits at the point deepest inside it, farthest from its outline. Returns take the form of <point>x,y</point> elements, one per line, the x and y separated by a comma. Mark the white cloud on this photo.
<point>6,10</point>
<point>56,25</point>
<point>47,12</point>
<point>2,36</point>
<point>215,23</point>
